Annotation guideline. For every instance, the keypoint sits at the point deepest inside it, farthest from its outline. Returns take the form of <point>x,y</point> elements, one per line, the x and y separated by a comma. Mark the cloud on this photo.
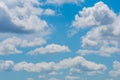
<point>99,14</point>
<point>77,62</point>
<point>6,65</point>
<point>103,51</point>
<point>61,2</point>
<point>103,36</point>
<point>105,39</point>
<point>116,69</point>
<point>21,16</point>
<point>9,49</point>
<point>80,64</point>
<point>10,45</point>
<point>50,49</point>
<point>30,67</point>
<point>69,77</point>
<point>48,12</point>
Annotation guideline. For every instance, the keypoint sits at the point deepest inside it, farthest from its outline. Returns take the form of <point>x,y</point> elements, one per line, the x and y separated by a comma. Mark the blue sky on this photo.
<point>59,40</point>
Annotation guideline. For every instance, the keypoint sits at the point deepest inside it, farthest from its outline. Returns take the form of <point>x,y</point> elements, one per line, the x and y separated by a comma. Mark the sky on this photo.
<point>59,40</point>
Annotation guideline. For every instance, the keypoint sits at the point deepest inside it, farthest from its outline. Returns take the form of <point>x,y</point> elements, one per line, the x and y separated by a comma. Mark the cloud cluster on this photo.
<point>22,16</point>
<point>50,49</point>
<point>77,63</point>
<point>103,37</point>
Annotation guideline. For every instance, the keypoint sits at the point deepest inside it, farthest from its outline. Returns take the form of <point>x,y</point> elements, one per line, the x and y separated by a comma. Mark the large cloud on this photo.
<point>103,37</point>
<point>78,62</point>
<point>22,16</point>
<point>99,14</point>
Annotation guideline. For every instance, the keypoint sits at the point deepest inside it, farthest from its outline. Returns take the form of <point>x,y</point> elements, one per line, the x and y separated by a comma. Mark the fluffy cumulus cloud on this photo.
<point>116,69</point>
<point>50,49</point>
<point>60,2</point>
<point>78,62</point>
<point>104,39</point>
<point>103,36</point>
<point>31,67</point>
<point>9,45</point>
<point>99,14</point>
<point>22,16</point>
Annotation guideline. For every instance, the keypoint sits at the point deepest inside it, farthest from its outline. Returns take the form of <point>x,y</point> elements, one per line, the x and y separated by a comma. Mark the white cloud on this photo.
<point>21,16</point>
<point>99,14</point>
<point>30,67</point>
<point>77,62</point>
<point>48,12</point>
<point>80,64</point>
<point>50,49</point>
<point>24,42</point>
<point>55,73</point>
<point>103,51</point>
<point>105,39</point>
<point>85,52</point>
<point>60,2</point>
<point>103,36</point>
<point>6,65</point>
<point>116,69</point>
<point>9,45</point>
<point>9,49</point>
